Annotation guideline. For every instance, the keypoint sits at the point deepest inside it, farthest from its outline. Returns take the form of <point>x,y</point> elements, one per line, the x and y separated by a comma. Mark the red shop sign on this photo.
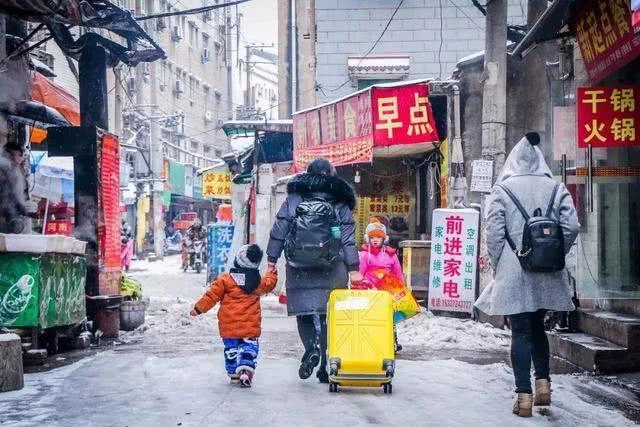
<point>346,131</point>
<point>63,227</point>
<point>608,116</point>
<point>606,37</point>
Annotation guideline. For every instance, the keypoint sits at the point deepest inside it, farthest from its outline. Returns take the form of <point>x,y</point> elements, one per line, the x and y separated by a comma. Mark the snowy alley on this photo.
<point>171,373</point>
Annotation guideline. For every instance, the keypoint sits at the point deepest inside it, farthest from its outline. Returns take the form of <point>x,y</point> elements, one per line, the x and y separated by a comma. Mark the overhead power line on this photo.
<point>190,11</point>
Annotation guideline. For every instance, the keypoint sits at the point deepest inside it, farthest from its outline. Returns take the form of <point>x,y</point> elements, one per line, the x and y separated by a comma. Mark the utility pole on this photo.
<point>494,104</point>
<point>156,159</point>
<point>494,94</point>
<point>284,59</point>
<point>117,119</point>
<point>229,59</point>
<point>247,96</point>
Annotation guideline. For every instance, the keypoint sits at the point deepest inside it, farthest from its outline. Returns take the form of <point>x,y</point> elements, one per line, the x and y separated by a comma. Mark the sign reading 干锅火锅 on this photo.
<point>608,116</point>
<point>454,260</point>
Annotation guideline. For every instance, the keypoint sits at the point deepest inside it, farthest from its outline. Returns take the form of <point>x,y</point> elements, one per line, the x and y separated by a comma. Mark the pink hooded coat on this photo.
<point>385,259</point>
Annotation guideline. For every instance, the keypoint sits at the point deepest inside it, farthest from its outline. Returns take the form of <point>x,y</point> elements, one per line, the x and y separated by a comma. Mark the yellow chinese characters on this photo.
<point>624,130</point>
<point>623,100</point>
<point>419,116</point>
<point>388,114</point>
<point>594,99</point>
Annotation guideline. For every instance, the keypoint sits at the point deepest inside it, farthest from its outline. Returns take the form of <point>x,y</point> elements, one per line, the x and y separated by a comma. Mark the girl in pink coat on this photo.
<point>376,258</point>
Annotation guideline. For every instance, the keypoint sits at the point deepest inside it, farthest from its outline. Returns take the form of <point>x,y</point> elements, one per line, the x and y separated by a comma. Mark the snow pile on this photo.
<point>437,332</point>
<point>169,265</point>
<point>9,337</point>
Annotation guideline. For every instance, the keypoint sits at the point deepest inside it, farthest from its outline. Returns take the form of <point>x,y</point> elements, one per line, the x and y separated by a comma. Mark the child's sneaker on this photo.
<point>234,378</point>
<point>245,376</point>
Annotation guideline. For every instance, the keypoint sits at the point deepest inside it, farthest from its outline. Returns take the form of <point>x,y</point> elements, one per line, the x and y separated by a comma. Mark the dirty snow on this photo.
<point>436,333</point>
<point>9,337</point>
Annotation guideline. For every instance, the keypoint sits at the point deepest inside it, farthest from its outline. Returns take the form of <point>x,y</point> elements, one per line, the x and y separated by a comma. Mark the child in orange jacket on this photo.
<point>240,315</point>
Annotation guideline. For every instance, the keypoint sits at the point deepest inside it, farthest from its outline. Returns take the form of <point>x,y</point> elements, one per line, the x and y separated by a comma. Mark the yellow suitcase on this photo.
<point>360,339</point>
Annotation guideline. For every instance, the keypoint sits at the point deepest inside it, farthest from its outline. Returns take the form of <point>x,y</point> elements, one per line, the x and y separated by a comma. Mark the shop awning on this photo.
<point>249,127</point>
<point>554,19</point>
<point>55,96</point>
<point>385,120</point>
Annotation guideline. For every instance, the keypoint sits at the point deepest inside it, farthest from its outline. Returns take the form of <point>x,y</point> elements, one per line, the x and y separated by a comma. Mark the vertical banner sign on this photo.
<point>109,216</point>
<point>216,185</point>
<point>606,36</point>
<point>220,238</point>
<point>454,260</point>
<point>608,116</point>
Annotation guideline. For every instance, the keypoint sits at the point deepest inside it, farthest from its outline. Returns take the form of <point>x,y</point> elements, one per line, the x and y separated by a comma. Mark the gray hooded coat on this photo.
<point>513,290</point>
<point>308,290</point>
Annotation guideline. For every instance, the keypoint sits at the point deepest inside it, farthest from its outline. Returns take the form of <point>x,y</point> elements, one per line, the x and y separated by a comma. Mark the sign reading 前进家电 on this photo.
<point>454,260</point>
<point>608,116</point>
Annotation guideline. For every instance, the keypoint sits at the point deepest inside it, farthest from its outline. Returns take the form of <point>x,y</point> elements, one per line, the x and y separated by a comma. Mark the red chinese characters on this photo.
<point>608,116</point>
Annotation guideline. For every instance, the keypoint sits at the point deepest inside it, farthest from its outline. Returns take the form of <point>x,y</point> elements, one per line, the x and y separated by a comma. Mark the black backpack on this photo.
<point>542,248</point>
<point>310,243</point>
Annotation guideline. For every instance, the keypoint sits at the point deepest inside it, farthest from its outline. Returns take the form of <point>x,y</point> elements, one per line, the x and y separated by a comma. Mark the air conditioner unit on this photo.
<point>206,15</point>
<point>131,84</point>
<point>208,116</point>
<point>175,34</point>
<point>160,24</point>
<point>206,55</point>
<point>179,88</point>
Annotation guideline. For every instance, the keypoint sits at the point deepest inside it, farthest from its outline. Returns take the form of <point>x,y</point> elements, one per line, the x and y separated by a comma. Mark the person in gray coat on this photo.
<point>308,289</point>
<point>522,295</point>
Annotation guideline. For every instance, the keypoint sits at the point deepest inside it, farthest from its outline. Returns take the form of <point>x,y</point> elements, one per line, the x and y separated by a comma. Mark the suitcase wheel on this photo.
<point>387,388</point>
<point>333,387</point>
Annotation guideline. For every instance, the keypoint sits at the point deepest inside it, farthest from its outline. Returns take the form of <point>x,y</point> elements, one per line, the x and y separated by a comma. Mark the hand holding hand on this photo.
<point>355,277</point>
<point>271,267</point>
<point>193,313</point>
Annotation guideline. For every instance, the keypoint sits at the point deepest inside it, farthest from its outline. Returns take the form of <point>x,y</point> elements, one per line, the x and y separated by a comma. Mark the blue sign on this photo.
<point>220,238</point>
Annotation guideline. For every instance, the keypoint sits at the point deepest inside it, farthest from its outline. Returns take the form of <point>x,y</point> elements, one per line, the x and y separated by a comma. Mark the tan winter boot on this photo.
<point>543,393</point>
<point>523,406</point>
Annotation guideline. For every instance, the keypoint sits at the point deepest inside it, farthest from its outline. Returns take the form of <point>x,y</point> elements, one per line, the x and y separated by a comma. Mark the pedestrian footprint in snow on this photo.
<point>531,225</point>
<point>240,314</point>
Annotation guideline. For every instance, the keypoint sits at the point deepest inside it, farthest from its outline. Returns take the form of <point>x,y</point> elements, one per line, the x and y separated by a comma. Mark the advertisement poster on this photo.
<point>482,176</point>
<point>220,238</point>
<point>454,260</point>
<point>216,185</point>
<point>606,36</point>
<point>608,116</point>
<point>393,207</point>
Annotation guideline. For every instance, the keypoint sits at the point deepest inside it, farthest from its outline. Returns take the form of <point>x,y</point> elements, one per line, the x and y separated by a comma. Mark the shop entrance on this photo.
<point>608,255</point>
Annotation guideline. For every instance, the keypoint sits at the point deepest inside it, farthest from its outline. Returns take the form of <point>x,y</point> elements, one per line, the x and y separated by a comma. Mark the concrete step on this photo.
<point>621,329</point>
<point>593,353</point>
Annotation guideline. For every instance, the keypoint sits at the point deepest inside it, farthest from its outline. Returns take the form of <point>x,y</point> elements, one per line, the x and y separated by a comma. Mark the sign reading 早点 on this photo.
<point>608,116</point>
<point>454,260</point>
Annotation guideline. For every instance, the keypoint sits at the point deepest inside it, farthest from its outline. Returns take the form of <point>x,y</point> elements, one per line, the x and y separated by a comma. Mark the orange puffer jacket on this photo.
<point>240,315</point>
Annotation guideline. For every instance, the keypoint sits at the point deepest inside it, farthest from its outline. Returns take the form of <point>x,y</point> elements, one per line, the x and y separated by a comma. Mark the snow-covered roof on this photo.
<point>379,64</point>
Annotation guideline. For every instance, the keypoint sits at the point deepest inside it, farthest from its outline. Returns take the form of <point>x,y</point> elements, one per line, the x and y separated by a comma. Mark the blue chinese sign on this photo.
<point>220,239</point>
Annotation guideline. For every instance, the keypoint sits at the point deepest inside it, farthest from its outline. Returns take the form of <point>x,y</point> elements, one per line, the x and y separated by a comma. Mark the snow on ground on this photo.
<point>437,333</point>
<point>132,388</point>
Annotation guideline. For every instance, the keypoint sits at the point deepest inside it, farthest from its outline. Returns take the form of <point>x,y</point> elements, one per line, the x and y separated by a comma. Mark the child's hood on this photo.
<point>247,279</point>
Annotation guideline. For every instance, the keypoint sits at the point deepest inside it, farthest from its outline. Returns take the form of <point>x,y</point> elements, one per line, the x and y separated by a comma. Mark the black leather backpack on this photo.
<point>542,249</point>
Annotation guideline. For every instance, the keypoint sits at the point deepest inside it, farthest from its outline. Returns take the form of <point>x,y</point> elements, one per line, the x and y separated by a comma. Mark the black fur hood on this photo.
<point>307,184</point>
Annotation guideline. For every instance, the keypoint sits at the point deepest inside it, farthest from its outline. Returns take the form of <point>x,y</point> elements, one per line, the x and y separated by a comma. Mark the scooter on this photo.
<point>196,256</point>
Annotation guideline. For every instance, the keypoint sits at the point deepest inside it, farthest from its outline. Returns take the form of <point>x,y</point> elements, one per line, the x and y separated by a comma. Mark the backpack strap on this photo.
<point>552,200</point>
<point>522,210</point>
<point>515,200</point>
